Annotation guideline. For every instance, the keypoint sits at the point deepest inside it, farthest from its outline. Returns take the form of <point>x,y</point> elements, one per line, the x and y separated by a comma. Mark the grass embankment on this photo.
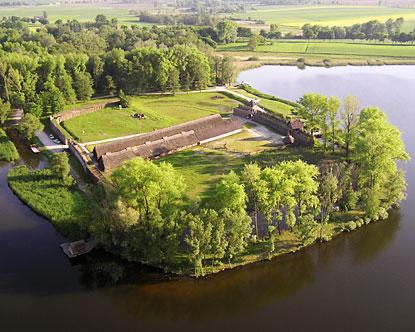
<point>281,107</point>
<point>292,18</point>
<point>67,208</point>
<point>160,111</point>
<point>8,151</point>
<point>82,104</point>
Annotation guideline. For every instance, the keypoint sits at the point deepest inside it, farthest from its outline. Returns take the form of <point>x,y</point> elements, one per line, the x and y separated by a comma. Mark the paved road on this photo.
<point>49,144</point>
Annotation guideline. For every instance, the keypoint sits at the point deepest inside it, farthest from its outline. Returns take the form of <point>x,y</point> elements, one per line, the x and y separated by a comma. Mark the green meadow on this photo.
<point>160,111</point>
<point>348,48</point>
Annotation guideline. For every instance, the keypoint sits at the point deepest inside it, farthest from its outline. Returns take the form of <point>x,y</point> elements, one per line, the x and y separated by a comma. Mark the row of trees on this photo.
<point>371,30</point>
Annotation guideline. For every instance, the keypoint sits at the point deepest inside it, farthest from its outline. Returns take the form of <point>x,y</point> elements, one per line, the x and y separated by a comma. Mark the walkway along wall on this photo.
<point>276,123</point>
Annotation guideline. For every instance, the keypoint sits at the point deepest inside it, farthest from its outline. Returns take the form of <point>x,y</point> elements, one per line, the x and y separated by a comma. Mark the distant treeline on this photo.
<point>372,30</point>
<point>42,70</point>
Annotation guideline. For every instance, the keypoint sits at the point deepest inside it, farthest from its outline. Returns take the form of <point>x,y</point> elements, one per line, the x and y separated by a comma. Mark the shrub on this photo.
<point>253,58</point>
<point>8,151</point>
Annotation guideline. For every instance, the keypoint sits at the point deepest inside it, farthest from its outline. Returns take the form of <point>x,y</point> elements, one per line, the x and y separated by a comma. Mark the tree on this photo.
<point>378,148</point>
<point>238,229</point>
<point>280,196</point>
<point>83,85</point>
<point>53,100</point>
<point>174,80</point>
<point>256,190</point>
<point>29,125</point>
<point>328,194</point>
<point>198,240</point>
<point>60,167</point>
<point>149,188</point>
<point>227,31</point>
<point>304,185</point>
<point>230,193</point>
<point>349,117</point>
<point>253,42</point>
<point>333,106</point>
<point>4,111</point>
<point>124,100</point>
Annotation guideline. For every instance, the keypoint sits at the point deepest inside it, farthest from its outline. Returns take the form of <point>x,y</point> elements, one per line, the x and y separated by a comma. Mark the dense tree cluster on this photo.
<point>371,145</point>
<point>41,71</point>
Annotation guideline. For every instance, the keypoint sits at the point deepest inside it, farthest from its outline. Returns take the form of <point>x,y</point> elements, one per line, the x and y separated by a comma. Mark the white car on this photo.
<point>57,141</point>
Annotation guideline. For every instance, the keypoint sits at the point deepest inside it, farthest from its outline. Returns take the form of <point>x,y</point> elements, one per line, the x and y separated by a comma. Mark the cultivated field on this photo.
<point>292,18</point>
<point>159,111</point>
<point>347,48</point>
<point>81,13</point>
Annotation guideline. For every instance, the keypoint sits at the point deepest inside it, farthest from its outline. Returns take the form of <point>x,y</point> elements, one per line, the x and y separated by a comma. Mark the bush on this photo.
<point>253,58</point>
<point>8,151</point>
<point>350,226</point>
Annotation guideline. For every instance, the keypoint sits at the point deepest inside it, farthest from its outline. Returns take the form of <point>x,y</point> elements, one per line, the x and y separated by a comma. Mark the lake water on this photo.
<point>362,281</point>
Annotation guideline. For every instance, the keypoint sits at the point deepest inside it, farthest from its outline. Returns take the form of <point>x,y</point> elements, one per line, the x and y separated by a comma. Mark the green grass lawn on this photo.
<point>202,168</point>
<point>346,48</point>
<point>160,112</point>
<point>292,18</point>
<point>8,151</point>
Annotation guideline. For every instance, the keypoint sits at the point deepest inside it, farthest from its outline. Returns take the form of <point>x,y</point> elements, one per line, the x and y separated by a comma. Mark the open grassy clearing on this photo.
<point>292,18</point>
<point>203,167</point>
<point>326,48</point>
<point>160,111</point>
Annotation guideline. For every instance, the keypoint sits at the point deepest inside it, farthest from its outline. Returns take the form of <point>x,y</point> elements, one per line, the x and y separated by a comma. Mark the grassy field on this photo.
<point>343,48</point>
<point>292,18</point>
<point>159,111</point>
<point>81,13</point>
<point>8,151</point>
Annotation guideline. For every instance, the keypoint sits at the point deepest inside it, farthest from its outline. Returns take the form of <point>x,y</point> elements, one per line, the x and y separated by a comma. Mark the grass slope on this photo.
<point>160,112</point>
<point>8,151</point>
<point>66,207</point>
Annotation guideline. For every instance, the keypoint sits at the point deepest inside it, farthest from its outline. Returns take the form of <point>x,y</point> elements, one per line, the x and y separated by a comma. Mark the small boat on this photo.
<point>78,248</point>
<point>34,148</point>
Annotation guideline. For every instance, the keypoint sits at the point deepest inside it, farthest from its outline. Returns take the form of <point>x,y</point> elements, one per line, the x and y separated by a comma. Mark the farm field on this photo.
<point>347,48</point>
<point>160,111</point>
<point>292,18</point>
<point>81,13</point>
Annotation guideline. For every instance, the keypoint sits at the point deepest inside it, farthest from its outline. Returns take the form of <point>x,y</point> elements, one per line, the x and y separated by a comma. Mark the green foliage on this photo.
<point>124,100</point>
<point>377,150</point>
<point>60,167</point>
<point>8,151</point>
<point>4,111</point>
<point>69,210</point>
<point>29,125</point>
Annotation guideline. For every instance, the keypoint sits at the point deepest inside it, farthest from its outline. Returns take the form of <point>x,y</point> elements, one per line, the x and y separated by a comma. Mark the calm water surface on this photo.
<point>363,281</point>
